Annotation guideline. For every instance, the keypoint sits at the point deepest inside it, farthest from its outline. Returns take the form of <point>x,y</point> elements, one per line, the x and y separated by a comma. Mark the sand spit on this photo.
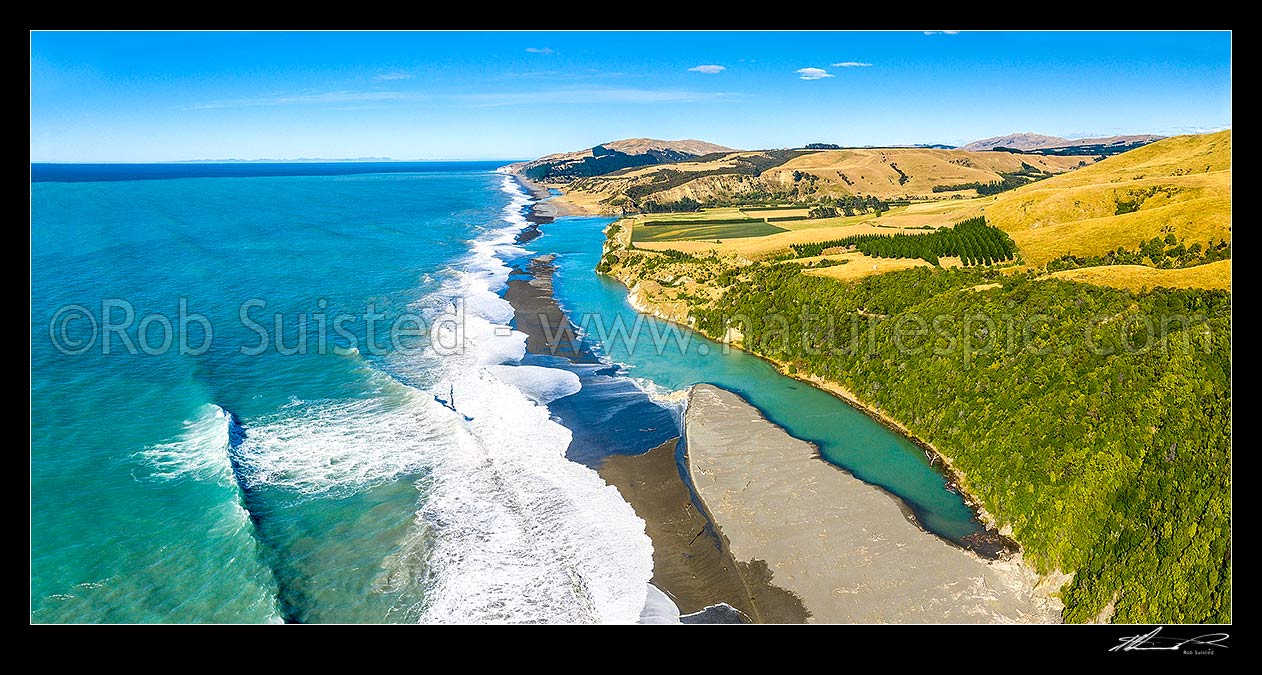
<point>846,548</point>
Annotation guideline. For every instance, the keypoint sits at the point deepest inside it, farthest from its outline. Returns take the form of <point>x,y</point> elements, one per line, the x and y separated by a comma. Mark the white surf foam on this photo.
<point>512,530</point>
<point>508,529</point>
<point>663,396</point>
<point>659,608</point>
<point>541,385</point>
<point>521,534</point>
<point>200,451</point>
<point>321,447</point>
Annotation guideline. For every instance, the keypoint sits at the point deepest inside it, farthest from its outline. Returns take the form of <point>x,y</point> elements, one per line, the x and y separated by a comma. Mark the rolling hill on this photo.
<point>795,175</point>
<point>1105,215</point>
<point>1180,186</point>
<point>1029,141</point>
<point>608,157</point>
<point>1215,275</point>
<point>1109,461</point>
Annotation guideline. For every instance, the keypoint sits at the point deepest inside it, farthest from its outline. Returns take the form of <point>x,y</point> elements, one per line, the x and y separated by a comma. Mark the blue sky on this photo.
<point>135,97</point>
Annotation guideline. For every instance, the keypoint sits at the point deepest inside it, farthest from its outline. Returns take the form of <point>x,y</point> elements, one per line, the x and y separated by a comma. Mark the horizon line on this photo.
<point>301,160</point>
<point>384,160</point>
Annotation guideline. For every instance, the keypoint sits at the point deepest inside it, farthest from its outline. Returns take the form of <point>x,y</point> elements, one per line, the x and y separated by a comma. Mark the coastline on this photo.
<point>537,314</point>
<point>690,564</point>
<point>845,548</point>
<point>694,560</point>
<point>691,568</point>
<point>548,205</point>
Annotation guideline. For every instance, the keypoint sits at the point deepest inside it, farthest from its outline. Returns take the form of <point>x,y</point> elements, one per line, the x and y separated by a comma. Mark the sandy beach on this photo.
<point>845,548</point>
<point>550,206</point>
<point>690,564</point>
<point>537,314</point>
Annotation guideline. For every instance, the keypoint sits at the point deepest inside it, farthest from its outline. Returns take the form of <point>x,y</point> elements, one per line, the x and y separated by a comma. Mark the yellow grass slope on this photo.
<point>1195,220</point>
<point>876,171</point>
<point>859,266</point>
<point>824,173</point>
<point>1215,275</point>
<point>1180,185</point>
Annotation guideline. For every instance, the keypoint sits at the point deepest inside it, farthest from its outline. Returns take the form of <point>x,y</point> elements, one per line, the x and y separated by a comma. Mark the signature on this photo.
<point>1153,642</point>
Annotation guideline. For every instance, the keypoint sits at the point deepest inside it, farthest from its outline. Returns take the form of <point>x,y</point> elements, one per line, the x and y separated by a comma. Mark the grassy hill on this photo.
<point>798,175</point>
<point>1177,190</point>
<point>913,172</point>
<point>605,158</point>
<point>1103,447</point>
<point>1180,185</point>
<point>1215,275</point>
<point>1038,142</point>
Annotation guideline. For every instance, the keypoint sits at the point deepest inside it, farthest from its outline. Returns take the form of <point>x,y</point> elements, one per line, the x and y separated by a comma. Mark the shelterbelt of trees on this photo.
<point>972,240</point>
<point>1095,422</point>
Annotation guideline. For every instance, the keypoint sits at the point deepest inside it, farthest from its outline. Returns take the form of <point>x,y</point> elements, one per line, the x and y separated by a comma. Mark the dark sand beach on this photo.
<point>690,564</point>
<point>846,548</point>
<point>537,314</point>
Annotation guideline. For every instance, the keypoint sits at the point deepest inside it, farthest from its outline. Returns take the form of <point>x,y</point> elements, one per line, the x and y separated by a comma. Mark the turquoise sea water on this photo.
<point>391,481</point>
<point>330,485</point>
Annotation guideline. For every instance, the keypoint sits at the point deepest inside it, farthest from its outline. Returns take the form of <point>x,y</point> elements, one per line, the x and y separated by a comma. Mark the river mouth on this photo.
<point>844,436</point>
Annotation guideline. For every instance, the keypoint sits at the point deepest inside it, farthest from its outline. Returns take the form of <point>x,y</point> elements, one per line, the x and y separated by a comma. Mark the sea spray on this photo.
<point>513,531</point>
<point>339,446</point>
<point>200,451</point>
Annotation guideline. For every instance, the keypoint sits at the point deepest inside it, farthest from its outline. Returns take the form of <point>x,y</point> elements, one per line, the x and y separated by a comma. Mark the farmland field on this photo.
<point>703,229</point>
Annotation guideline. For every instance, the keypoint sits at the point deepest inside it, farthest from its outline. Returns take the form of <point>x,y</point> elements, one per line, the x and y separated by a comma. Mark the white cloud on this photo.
<point>540,50</point>
<point>852,64</point>
<point>942,32</point>
<point>812,73</point>
<point>394,75</point>
<point>328,97</point>
<point>708,69</point>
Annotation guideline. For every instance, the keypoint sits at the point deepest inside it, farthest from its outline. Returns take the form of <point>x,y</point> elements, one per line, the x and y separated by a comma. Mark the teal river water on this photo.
<point>345,485</point>
<point>844,435</point>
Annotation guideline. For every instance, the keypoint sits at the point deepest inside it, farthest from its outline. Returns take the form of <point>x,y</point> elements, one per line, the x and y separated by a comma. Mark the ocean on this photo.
<point>263,394</point>
<point>331,484</point>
